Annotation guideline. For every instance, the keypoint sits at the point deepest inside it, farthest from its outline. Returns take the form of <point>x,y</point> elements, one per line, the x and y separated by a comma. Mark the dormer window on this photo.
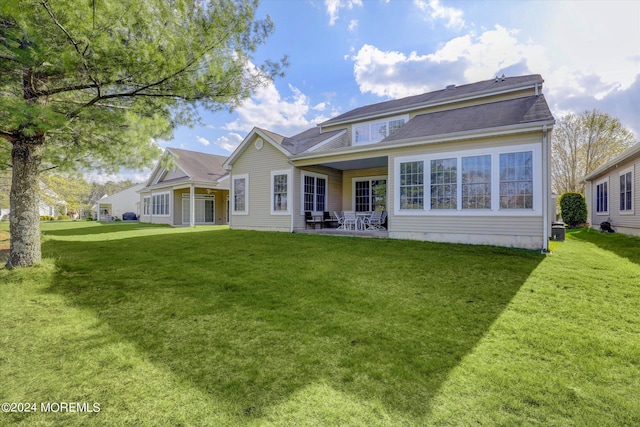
<point>376,131</point>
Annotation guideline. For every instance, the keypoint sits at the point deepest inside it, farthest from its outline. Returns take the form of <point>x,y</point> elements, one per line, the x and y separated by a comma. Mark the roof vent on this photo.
<point>449,87</point>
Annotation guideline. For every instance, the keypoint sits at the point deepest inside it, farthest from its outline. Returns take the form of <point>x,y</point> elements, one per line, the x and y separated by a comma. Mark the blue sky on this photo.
<point>348,53</point>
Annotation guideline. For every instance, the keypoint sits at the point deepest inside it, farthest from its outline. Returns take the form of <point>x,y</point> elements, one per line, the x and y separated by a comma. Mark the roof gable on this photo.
<point>196,166</point>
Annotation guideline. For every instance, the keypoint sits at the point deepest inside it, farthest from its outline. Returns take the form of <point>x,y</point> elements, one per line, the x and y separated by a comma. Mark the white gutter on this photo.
<point>471,134</point>
<point>545,190</point>
<point>293,192</point>
<point>615,162</point>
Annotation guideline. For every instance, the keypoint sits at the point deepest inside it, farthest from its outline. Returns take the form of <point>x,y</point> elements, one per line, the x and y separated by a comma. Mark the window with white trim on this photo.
<point>372,132</point>
<point>626,191</point>
<point>240,192</point>
<point>602,197</point>
<point>476,182</point>
<point>412,185</point>
<point>370,194</point>
<point>160,204</point>
<point>280,192</point>
<point>444,183</point>
<point>516,180</point>
<point>146,205</point>
<point>314,193</point>
<point>484,181</point>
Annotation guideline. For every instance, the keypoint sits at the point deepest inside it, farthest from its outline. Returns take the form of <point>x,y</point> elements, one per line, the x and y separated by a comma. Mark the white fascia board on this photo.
<point>458,136</point>
<point>228,164</point>
<point>413,107</point>
<point>623,157</point>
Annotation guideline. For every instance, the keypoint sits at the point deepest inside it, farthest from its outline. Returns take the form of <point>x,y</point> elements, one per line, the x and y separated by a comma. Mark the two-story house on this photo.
<point>465,164</point>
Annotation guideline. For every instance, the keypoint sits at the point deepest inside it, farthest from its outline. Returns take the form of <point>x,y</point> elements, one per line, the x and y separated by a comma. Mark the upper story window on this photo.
<point>375,131</point>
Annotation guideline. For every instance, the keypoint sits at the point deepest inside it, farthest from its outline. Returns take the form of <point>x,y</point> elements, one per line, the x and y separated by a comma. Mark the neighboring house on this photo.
<point>194,190</point>
<point>115,205</point>
<point>50,204</point>
<point>466,164</point>
<point>612,193</point>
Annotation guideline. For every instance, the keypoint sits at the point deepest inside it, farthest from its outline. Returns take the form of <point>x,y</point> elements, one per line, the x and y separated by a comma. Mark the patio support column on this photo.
<point>192,206</point>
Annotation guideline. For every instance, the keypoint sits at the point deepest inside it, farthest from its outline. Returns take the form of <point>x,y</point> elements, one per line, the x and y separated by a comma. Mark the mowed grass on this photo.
<point>209,326</point>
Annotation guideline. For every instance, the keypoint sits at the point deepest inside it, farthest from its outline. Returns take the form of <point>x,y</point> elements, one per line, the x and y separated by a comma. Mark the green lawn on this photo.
<point>207,326</point>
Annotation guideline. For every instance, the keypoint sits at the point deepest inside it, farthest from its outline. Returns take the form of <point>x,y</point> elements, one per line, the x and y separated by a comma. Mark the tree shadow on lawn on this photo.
<point>99,228</point>
<point>622,245</point>
<point>252,318</point>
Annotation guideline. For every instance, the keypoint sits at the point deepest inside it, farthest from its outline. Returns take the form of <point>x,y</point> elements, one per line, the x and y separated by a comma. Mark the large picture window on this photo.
<point>315,192</point>
<point>503,181</point>
<point>476,182</point>
<point>444,184</point>
<point>602,197</point>
<point>412,185</point>
<point>240,194</point>
<point>516,180</point>
<point>626,191</point>
<point>160,204</point>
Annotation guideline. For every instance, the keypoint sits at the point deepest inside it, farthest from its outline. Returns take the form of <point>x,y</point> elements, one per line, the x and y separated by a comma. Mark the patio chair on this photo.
<point>328,220</point>
<point>339,220</point>
<point>374,222</point>
<point>310,220</point>
<point>350,221</point>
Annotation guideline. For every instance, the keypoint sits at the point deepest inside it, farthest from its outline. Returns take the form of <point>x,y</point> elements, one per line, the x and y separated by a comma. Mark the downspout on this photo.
<point>545,190</point>
<point>293,197</point>
<point>192,206</point>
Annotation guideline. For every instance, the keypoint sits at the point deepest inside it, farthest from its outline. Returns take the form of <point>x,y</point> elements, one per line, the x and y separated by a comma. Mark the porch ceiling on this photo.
<point>373,162</point>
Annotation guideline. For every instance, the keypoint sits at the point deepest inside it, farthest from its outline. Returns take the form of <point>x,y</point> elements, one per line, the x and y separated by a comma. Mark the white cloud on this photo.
<point>285,115</point>
<point>453,17</point>
<point>202,140</point>
<point>463,59</point>
<point>353,25</point>
<point>229,142</point>
<point>334,6</point>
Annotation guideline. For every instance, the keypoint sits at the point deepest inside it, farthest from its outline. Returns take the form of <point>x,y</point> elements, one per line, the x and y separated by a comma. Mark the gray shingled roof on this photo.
<point>309,138</point>
<point>199,166</point>
<point>435,97</point>
<point>484,116</point>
